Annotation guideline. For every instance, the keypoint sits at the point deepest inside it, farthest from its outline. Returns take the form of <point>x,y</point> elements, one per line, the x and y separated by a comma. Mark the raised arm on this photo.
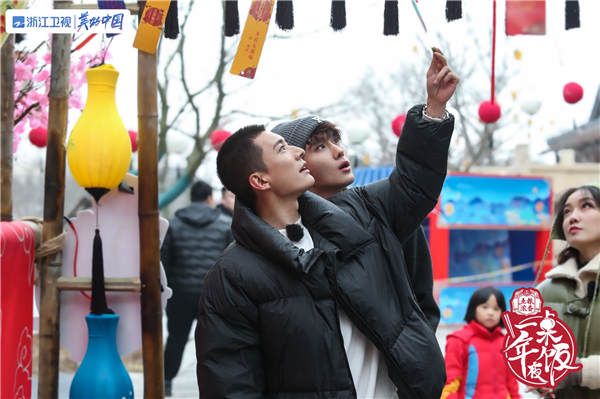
<point>411,191</point>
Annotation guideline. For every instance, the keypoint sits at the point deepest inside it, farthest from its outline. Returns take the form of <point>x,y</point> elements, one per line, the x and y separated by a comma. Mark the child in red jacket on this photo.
<point>475,366</point>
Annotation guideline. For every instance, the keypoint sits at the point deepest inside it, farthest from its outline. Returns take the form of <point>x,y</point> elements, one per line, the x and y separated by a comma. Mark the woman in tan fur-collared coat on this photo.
<point>571,287</point>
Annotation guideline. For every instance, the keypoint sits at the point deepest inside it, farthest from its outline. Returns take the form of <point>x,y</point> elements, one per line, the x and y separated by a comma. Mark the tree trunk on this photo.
<point>8,105</point>
<point>152,348</point>
<point>54,184</point>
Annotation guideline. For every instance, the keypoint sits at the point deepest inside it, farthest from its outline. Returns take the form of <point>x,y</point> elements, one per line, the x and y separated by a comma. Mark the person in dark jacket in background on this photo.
<point>310,301</point>
<point>326,159</point>
<point>197,236</point>
<point>227,202</point>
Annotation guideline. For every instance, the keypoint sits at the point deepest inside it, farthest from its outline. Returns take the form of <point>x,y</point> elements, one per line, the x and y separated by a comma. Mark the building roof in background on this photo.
<point>585,139</point>
<point>366,175</point>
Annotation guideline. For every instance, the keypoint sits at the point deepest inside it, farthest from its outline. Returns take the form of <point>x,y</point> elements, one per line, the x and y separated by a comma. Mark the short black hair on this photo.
<point>239,158</point>
<point>325,131</point>
<point>481,296</point>
<point>200,191</point>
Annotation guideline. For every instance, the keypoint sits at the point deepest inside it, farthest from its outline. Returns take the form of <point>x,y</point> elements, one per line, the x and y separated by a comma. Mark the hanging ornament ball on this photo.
<point>572,92</point>
<point>38,137</point>
<point>518,55</point>
<point>489,112</point>
<point>357,131</point>
<point>218,137</point>
<point>398,124</point>
<point>531,106</point>
<point>133,138</point>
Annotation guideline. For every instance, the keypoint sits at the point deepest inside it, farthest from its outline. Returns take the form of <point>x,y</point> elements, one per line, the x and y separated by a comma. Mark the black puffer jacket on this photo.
<point>197,236</point>
<point>390,216</point>
<point>268,314</point>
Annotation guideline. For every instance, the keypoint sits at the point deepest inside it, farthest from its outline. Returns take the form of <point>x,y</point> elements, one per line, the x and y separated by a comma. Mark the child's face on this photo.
<point>488,313</point>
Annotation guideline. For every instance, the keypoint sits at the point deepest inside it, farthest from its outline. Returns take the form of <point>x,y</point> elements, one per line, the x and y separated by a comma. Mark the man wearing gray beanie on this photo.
<point>327,162</point>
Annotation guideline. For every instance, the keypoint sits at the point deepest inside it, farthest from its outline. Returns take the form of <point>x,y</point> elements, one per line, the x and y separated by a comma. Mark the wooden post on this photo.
<point>54,184</point>
<point>7,63</point>
<point>152,348</point>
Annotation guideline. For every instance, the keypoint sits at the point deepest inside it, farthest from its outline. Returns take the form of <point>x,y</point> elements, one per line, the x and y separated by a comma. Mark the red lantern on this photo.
<point>218,137</point>
<point>572,92</point>
<point>133,138</point>
<point>489,112</point>
<point>39,137</point>
<point>398,124</point>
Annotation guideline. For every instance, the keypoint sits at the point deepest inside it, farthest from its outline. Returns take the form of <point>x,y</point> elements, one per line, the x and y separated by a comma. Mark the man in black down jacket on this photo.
<point>326,160</point>
<point>274,315</point>
<point>197,236</point>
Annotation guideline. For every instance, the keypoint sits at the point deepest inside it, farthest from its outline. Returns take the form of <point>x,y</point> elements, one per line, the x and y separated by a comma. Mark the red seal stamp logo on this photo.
<point>539,348</point>
<point>153,16</point>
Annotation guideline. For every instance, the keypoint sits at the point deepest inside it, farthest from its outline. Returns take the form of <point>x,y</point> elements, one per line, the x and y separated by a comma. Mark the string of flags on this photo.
<point>284,14</point>
<point>522,17</point>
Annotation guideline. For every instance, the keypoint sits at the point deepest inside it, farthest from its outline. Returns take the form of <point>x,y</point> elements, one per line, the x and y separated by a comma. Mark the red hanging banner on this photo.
<point>525,17</point>
<point>17,251</point>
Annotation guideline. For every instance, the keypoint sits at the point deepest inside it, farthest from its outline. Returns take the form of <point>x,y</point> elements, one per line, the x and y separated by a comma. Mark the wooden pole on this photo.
<point>54,188</point>
<point>7,64</point>
<point>152,348</point>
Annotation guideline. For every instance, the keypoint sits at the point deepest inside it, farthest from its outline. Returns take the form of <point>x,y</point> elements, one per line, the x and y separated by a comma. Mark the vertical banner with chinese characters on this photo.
<point>17,252</point>
<point>525,17</point>
<point>253,38</point>
<point>151,25</point>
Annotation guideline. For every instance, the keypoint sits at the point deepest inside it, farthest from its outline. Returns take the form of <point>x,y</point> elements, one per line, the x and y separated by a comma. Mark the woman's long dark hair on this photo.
<point>557,228</point>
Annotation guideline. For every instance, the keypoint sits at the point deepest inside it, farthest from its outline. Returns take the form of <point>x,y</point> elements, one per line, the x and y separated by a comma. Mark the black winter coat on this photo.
<point>197,236</point>
<point>268,315</point>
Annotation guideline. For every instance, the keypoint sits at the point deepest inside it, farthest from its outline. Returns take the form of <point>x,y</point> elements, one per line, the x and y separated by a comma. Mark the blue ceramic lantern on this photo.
<point>101,373</point>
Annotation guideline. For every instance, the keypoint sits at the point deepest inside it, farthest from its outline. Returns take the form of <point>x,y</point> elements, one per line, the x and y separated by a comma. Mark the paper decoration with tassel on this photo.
<point>453,10</point>
<point>253,38</point>
<point>390,17</point>
<point>231,18</point>
<point>572,14</point>
<point>338,14</point>
<point>284,15</point>
<point>150,25</point>
<point>172,21</point>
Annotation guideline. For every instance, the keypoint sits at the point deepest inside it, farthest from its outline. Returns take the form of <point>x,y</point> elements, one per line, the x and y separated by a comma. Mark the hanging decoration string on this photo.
<point>492,96</point>
<point>76,236</point>
<point>83,43</point>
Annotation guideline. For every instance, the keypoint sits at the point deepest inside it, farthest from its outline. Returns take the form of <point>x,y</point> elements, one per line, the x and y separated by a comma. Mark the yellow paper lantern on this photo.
<point>99,148</point>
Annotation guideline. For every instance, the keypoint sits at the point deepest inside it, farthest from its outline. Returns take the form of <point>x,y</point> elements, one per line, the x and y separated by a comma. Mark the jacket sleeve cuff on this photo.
<point>590,373</point>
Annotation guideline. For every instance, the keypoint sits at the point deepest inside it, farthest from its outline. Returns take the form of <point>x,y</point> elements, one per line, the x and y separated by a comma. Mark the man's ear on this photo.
<point>259,181</point>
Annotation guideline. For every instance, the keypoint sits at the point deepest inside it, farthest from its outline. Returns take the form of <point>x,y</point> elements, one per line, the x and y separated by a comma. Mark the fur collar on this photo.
<point>581,277</point>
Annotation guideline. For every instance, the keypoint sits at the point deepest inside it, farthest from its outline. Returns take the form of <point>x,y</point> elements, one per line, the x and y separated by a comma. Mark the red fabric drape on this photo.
<point>17,247</point>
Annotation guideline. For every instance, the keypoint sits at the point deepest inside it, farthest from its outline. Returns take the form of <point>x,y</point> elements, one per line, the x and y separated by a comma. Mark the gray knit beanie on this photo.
<point>298,131</point>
